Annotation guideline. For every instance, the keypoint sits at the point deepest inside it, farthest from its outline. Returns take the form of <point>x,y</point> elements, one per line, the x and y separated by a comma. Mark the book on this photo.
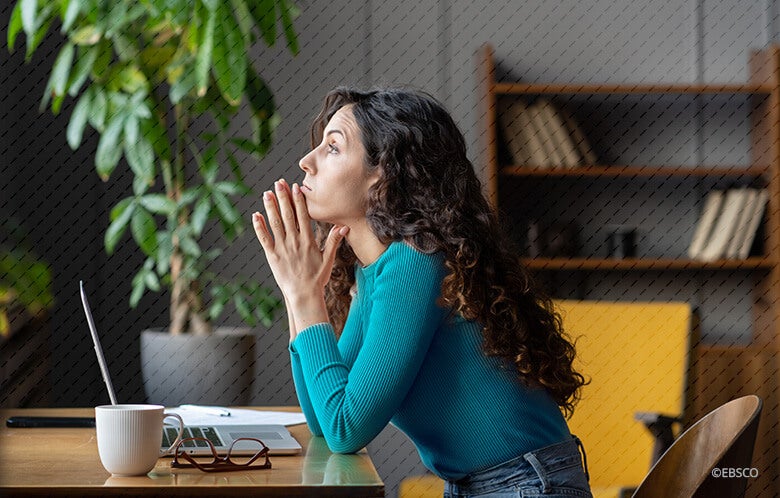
<point>560,136</point>
<point>751,226</point>
<point>523,140</point>
<point>724,228</point>
<point>709,214</point>
<point>545,137</point>
<point>740,230</point>
<point>515,134</point>
<point>579,139</point>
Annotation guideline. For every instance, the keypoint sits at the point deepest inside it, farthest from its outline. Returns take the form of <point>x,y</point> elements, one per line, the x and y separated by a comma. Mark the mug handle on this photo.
<point>179,437</point>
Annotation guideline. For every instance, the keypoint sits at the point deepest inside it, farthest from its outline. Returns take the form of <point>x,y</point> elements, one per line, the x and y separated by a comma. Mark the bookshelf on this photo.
<point>717,372</point>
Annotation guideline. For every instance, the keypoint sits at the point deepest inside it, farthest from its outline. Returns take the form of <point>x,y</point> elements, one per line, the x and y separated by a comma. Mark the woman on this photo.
<point>408,306</point>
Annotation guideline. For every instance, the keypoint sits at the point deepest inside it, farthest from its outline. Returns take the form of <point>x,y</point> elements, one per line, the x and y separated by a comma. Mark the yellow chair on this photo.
<point>636,356</point>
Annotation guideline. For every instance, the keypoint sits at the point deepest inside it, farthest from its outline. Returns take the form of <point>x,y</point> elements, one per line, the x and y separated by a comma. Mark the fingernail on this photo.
<point>282,180</point>
<point>344,230</point>
<point>267,195</point>
<point>296,189</point>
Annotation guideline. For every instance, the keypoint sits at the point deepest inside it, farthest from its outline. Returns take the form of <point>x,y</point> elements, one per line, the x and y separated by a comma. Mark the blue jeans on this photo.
<point>554,471</point>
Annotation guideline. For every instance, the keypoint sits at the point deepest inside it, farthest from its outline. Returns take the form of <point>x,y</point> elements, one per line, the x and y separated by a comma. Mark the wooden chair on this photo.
<point>723,439</point>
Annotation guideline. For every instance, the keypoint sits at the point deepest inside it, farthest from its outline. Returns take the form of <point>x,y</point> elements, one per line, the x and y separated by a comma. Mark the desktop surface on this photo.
<point>57,461</point>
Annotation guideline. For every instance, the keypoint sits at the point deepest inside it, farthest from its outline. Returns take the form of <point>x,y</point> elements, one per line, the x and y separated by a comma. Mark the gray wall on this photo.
<point>431,45</point>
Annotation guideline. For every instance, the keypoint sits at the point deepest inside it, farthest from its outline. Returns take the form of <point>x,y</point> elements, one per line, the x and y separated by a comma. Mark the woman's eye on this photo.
<point>332,148</point>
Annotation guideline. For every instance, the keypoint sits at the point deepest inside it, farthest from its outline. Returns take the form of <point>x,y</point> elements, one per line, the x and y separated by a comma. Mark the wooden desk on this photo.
<point>66,462</point>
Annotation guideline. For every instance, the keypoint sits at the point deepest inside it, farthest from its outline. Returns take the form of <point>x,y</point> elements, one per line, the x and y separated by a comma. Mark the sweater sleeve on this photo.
<point>347,346</point>
<point>303,393</point>
<point>354,403</point>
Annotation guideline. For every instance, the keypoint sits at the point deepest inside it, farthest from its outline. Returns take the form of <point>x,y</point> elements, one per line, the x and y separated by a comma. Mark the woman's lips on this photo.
<point>306,187</point>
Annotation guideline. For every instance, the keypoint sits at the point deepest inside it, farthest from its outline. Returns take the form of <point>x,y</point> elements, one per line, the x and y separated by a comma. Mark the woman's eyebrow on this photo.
<point>339,132</point>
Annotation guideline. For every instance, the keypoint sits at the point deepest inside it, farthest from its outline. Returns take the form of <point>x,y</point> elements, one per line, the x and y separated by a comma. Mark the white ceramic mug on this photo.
<point>129,437</point>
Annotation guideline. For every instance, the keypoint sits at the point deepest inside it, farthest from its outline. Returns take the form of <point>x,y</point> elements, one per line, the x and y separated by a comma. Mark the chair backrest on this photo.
<point>723,439</point>
<point>636,356</point>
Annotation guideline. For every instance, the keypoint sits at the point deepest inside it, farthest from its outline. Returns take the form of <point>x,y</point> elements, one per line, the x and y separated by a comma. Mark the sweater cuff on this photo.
<point>319,337</point>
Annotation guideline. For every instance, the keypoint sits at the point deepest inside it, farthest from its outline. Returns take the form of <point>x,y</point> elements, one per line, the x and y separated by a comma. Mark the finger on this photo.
<point>335,237</point>
<point>302,212</point>
<point>274,218</point>
<point>285,206</point>
<point>261,230</point>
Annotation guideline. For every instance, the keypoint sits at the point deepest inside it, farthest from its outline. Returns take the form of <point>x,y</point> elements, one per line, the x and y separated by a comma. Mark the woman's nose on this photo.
<point>306,163</point>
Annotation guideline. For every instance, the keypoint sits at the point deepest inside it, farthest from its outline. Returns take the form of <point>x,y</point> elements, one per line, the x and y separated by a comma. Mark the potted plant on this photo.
<point>25,298</point>
<point>146,74</point>
<point>25,280</point>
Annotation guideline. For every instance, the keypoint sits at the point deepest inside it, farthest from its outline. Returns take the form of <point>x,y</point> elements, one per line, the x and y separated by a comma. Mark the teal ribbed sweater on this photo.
<point>401,360</point>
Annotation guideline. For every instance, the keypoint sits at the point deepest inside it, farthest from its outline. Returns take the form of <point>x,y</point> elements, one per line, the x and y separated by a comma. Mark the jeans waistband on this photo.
<point>534,464</point>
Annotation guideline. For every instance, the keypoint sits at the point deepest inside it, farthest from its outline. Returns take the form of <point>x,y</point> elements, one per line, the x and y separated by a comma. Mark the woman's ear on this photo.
<point>374,177</point>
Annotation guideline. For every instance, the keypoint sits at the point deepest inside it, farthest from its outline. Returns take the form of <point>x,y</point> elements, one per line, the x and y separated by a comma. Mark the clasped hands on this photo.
<point>298,265</point>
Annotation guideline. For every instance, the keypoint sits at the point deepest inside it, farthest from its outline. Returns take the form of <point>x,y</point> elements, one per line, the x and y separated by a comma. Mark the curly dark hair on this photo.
<point>429,196</point>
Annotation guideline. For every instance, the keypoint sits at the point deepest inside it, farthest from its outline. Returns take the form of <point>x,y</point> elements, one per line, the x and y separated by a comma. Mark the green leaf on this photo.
<point>243,309</point>
<point>140,157</point>
<point>151,281</point>
<point>164,250</point>
<point>247,146</point>
<point>109,151</point>
<point>211,4</point>
<point>261,99</point>
<point>205,52</point>
<point>14,26</point>
<point>244,19</point>
<point>189,246</point>
<point>139,286</point>
<point>225,208</point>
<point>98,110</point>
<point>182,85</point>
<point>58,79</point>
<point>264,13</point>
<point>158,203</point>
<point>289,12</point>
<point>100,68</point>
<point>56,103</point>
<point>86,36</point>
<point>200,215</point>
<point>120,208</point>
<point>120,215</point>
<point>189,196</point>
<point>29,8</point>
<point>144,231</point>
<point>157,137</point>
<point>230,188</point>
<point>209,171</point>
<point>229,58</point>
<point>131,129</point>
<point>71,12</point>
<point>236,168</point>
<point>32,43</point>
<point>78,120</point>
<point>140,185</point>
<point>86,59</point>
<point>116,18</point>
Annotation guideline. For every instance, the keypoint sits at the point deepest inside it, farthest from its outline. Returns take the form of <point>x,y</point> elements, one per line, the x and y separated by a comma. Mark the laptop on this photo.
<point>276,437</point>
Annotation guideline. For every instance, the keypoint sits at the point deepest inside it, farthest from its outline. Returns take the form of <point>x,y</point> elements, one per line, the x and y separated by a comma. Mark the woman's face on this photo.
<point>337,181</point>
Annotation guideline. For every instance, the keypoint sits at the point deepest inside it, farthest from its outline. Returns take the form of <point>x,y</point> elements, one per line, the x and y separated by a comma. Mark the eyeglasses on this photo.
<point>216,463</point>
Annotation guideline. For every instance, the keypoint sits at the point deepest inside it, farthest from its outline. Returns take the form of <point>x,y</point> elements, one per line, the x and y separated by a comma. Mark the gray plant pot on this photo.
<point>216,369</point>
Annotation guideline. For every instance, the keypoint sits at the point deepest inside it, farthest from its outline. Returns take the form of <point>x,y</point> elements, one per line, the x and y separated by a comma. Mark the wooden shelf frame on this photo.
<point>639,171</point>
<point>739,369</point>
<point>629,264</point>
<point>630,88</point>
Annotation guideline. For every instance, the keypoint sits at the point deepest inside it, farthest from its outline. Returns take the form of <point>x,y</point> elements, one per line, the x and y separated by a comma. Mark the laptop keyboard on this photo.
<point>169,436</point>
